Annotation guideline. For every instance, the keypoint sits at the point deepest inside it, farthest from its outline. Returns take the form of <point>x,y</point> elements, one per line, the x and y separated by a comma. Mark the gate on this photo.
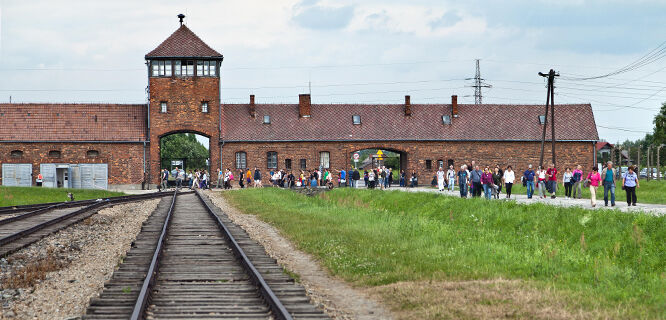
<point>17,174</point>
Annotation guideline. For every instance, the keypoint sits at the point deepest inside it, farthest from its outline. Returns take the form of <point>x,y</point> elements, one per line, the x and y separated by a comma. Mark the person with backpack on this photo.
<point>577,178</point>
<point>528,179</point>
<point>257,177</point>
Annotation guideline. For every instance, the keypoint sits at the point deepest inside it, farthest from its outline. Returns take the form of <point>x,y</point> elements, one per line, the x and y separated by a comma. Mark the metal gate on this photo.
<point>80,176</point>
<point>17,174</point>
<point>48,171</point>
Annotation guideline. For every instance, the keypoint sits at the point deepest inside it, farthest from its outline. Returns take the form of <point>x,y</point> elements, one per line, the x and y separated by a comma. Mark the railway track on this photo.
<point>15,210</point>
<point>190,262</point>
<point>21,230</point>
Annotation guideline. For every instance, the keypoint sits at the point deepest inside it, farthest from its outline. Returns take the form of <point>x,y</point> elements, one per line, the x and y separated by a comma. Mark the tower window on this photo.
<point>204,107</point>
<point>212,67</point>
<point>200,69</point>
<point>161,68</point>
<point>163,107</point>
<point>176,70</point>
<point>188,68</point>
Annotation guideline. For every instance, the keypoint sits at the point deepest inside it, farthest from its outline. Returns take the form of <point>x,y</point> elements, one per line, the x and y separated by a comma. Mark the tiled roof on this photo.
<point>72,122</point>
<point>333,122</point>
<point>183,43</point>
<point>602,144</point>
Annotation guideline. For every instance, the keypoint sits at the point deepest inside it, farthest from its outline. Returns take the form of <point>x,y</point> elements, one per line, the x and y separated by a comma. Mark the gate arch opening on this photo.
<point>373,158</point>
<point>187,151</point>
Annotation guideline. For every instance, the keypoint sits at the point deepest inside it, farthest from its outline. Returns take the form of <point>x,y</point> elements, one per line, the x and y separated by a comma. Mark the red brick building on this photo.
<point>97,145</point>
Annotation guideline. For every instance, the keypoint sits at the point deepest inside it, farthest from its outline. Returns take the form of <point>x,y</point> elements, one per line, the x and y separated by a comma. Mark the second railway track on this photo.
<point>190,262</point>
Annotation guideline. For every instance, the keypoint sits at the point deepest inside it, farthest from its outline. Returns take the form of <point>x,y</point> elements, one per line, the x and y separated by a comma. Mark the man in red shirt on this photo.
<point>551,175</point>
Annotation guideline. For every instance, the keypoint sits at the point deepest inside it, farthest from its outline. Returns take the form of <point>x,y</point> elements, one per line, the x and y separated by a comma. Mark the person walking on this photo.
<point>389,178</point>
<point>248,177</point>
<point>180,176</point>
<point>541,183</point>
<point>220,177</point>
<point>440,179</point>
<point>594,178</point>
<point>566,182</point>
<point>608,179</point>
<point>356,177</point>
<point>475,177</point>
<point>487,183</point>
<point>164,178</point>
<point>241,178</point>
<point>414,180</point>
<point>551,175</point>
<point>497,182</point>
<point>509,177</point>
<point>371,179</point>
<point>451,176</point>
<point>463,180</point>
<point>402,178</point>
<point>528,177</point>
<point>343,178</point>
<point>577,179</point>
<point>257,177</point>
<point>630,183</point>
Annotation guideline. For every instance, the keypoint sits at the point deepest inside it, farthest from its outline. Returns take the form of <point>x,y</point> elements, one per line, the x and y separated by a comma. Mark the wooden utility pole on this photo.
<point>550,104</point>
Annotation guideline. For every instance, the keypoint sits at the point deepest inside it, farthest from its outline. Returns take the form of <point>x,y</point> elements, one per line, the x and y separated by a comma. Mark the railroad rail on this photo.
<point>190,262</point>
<point>19,231</point>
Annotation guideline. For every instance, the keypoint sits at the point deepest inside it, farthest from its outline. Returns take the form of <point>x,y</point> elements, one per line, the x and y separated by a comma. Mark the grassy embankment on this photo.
<point>14,196</point>
<point>412,246</point>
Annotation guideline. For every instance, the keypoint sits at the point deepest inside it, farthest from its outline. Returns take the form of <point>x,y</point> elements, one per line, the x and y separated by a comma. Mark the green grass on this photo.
<point>14,196</point>
<point>649,192</point>
<point>602,258</point>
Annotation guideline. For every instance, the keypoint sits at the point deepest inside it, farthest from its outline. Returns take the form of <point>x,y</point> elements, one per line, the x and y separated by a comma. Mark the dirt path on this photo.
<point>338,299</point>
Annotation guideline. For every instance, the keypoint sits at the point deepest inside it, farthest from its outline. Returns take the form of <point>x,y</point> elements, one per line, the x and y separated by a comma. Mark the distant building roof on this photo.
<point>603,144</point>
<point>333,122</point>
<point>72,122</point>
<point>183,43</point>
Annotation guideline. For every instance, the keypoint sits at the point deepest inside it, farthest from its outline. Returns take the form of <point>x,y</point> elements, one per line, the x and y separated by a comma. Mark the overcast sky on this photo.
<point>351,51</point>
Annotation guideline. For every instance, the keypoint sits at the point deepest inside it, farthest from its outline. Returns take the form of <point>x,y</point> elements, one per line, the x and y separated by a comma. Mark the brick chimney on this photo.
<point>454,106</point>
<point>253,109</point>
<point>408,106</point>
<point>304,106</point>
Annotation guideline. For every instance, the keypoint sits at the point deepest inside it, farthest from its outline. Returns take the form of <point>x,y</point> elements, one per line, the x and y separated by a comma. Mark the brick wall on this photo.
<point>125,160</point>
<point>516,154</point>
<point>183,96</point>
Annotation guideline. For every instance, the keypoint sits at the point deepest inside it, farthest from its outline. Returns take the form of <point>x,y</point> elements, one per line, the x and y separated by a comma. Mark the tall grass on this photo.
<point>14,196</point>
<point>370,238</point>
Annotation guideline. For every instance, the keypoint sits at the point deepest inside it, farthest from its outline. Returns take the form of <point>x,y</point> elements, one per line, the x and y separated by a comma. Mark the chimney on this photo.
<point>454,106</point>
<point>408,106</point>
<point>304,104</point>
<point>253,109</point>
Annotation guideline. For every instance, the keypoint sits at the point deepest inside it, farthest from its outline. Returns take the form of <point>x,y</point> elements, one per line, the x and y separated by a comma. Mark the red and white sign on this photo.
<point>356,156</point>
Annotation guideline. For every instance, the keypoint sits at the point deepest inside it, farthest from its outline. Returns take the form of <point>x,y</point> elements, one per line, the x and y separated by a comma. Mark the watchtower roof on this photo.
<point>183,43</point>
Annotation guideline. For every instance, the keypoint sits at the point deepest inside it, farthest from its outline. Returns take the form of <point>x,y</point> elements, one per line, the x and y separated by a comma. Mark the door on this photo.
<point>93,176</point>
<point>17,174</point>
<point>74,176</point>
<point>48,171</point>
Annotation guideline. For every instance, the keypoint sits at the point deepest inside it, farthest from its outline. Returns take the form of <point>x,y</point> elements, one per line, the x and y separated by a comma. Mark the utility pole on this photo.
<point>550,104</point>
<point>648,173</point>
<point>478,84</point>
<point>659,162</point>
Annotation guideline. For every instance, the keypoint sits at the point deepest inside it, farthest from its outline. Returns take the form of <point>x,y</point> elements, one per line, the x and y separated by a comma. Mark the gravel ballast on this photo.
<point>84,256</point>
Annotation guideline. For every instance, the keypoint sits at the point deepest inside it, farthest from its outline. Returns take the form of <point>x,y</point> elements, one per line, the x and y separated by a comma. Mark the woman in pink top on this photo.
<point>594,178</point>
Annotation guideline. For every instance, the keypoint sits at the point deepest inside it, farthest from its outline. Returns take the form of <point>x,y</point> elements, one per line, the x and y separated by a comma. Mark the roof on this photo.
<point>73,122</point>
<point>603,144</point>
<point>183,43</point>
<point>333,122</point>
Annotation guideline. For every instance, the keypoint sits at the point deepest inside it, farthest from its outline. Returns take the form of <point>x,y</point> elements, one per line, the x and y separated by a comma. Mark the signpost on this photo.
<point>356,157</point>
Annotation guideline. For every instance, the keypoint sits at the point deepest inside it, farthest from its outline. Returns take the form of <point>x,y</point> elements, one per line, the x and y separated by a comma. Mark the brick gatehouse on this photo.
<point>112,145</point>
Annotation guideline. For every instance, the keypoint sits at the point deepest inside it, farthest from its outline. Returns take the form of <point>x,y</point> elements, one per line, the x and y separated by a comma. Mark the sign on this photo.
<point>176,162</point>
<point>380,154</point>
<point>356,157</point>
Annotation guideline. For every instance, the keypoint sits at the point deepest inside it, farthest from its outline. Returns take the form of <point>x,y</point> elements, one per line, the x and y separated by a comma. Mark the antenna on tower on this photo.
<point>181,17</point>
<point>478,84</point>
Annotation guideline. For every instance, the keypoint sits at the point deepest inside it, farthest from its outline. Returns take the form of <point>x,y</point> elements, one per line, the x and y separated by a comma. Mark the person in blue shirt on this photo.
<point>343,177</point>
<point>608,180</point>
<point>630,183</point>
<point>528,176</point>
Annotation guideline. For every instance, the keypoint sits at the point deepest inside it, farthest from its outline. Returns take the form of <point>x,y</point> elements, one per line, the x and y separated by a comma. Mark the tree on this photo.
<point>183,146</point>
<point>660,126</point>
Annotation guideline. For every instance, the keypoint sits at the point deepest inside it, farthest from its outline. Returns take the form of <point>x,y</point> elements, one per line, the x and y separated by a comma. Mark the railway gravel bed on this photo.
<point>84,256</point>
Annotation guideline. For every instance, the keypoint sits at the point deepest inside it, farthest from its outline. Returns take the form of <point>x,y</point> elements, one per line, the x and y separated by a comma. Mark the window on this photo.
<point>428,164</point>
<point>204,107</point>
<point>356,119</point>
<point>542,119</point>
<point>304,164</point>
<point>440,163</point>
<point>167,68</point>
<point>241,160</point>
<point>163,107</point>
<point>325,159</point>
<point>16,154</point>
<point>271,160</point>
<point>212,68</point>
<point>92,154</point>
<point>176,69</point>
<point>188,68</point>
<point>450,162</point>
<point>287,164</point>
<point>446,119</point>
<point>54,154</point>
<point>161,68</point>
<point>267,119</point>
<point>200,68</point>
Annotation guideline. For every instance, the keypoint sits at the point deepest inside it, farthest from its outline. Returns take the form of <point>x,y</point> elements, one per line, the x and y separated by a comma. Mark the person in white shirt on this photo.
<point>440,178</point>
<point>451,176</point>
<point>509,178</point>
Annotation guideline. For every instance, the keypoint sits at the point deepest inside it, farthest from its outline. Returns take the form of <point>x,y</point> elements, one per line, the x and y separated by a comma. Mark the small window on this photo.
<point>304,164</point>
<point>156,68</point>
<point>161,68</point>
<point>267,119</point>
<point>16,154</point>
<point>356,119</point>
<point>54,154</point>
<point>324,159</point>
<point>446,119</point>
<point>200,69</point>
<point>287,164</point>
<point>440,163</point>
<point>163,107</point>
<point>188,69</point>
<point>241,160</point>
<point>177,67</point>
<point>271,160</point>
<point>542,119</point>
<point>428,164</point>
<point>92,154</point>
<point>212,67</point>
<point>204,107</point>
<point>167,68</point>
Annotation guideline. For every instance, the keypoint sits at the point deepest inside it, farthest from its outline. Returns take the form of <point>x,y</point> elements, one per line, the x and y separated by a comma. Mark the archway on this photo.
<point>373,158</point>
<point>188,151</point>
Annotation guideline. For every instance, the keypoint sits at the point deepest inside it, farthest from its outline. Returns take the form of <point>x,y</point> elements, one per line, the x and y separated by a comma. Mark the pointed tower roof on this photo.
<point>183,43</point>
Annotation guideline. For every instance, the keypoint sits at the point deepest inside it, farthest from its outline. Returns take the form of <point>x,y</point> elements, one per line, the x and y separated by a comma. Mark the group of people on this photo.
<point>191,179</point>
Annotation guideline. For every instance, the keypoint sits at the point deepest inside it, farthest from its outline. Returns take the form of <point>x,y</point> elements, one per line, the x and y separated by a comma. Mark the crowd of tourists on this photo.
<point>470,180</point>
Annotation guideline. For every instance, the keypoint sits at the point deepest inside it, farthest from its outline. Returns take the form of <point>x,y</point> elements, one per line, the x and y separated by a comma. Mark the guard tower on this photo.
<point>184,93</point>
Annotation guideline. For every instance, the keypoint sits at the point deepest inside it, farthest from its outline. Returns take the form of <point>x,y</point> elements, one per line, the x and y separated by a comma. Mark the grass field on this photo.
<point>605,263</point>
<point>14,196</point>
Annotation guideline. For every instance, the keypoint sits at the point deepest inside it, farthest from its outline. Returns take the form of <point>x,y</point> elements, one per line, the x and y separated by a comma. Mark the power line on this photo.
<point>623,129</point>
